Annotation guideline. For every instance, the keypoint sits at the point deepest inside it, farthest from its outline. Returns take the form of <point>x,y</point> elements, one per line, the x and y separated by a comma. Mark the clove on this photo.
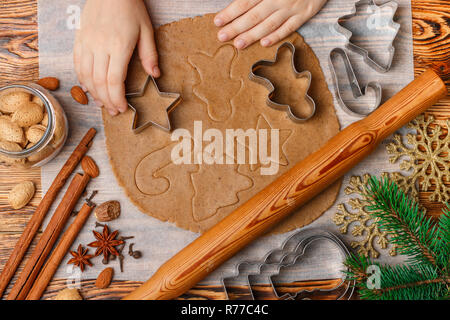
<point>89,200</point>
<point>98,224</point>
<point>134,253</point>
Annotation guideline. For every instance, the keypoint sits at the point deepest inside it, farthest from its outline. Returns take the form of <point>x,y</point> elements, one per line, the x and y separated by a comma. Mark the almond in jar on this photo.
<point>33,126</point>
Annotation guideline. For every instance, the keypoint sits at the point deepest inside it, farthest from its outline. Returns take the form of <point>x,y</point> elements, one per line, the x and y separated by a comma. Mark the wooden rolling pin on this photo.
<point>294,188</point>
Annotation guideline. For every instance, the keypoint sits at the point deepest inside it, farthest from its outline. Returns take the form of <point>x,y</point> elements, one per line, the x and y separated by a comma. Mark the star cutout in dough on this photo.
<point>284,134</point>
<point>151,107</point>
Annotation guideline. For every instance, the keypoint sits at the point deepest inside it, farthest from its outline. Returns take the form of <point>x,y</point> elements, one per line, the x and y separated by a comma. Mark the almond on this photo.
<point>38,101</point>
<point>28,114</point>
<point>90,167</point>
<point>68,294</point>
<point>44,121</point>
<point>50,83</point>
<point>107,211</point>
<point>79,95</point>
<point>35,133</point>
<point>59,133</point>
<point>10,131</point>
<point>104,278</point>
<point>10,146</point>
<point>41,155</point>
<point>5,116</point>
<point>21,194</point>
<point>11,100</point>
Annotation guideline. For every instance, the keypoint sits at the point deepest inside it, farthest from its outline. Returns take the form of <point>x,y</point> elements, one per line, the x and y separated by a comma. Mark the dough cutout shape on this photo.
<point>217,95</point>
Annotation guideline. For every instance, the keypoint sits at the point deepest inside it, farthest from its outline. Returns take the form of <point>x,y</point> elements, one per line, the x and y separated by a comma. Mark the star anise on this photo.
<point>80,258</point>
<point>106,243</point>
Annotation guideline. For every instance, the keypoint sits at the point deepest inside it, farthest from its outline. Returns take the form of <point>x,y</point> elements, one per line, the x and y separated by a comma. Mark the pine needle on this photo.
<point>425,242</point>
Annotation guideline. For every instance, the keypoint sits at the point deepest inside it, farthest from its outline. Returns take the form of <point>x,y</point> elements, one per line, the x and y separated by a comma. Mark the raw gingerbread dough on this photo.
<point>212,78</point>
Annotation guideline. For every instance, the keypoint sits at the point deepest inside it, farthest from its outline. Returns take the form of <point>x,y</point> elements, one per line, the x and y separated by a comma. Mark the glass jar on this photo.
<point>42,140</point>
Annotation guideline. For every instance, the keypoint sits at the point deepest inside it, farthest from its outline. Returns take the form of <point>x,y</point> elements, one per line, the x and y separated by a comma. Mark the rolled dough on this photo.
<point>212,78</point>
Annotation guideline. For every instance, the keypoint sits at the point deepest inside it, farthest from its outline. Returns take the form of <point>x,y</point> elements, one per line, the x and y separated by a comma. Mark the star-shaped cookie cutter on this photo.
<point>269,85</point>
<point>176,100</point>
<point>360,50</point>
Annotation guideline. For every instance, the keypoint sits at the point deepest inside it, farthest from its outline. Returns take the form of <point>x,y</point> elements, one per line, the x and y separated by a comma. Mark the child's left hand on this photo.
<point>269,21</point>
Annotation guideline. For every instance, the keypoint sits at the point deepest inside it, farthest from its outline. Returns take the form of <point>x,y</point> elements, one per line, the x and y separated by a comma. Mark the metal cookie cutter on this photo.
<point>292,251</point>
<point>378,20</point>
<point>269,85</point>
<point>176,100</point>
<point>354,85</point>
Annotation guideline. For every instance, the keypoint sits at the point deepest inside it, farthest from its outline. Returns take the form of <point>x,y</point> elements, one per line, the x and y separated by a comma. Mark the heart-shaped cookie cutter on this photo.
<point>269,85</point>
<point>176,100</point>
<point>360,50</point>
<point>291,251</point>
<point>354,85</point>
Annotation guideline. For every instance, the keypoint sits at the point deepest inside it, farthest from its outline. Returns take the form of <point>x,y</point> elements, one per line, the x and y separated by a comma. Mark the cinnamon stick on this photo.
<point>59,253</point>
<point>36,220</point>
<point>51,233</point>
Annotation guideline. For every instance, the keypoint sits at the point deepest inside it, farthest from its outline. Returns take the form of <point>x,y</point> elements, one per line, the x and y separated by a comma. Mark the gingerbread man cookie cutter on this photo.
<point>379,20</point>
<point>292,251</point>
<point>176,99</point>
<point>354,85</point>
<point>269,85</point>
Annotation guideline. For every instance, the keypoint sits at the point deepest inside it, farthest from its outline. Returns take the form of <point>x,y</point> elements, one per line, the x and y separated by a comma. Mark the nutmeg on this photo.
<point>107,211</point>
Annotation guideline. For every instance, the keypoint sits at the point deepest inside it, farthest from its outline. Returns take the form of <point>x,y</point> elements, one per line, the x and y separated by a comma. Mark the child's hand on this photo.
<point>110,30</point>
<point>247,21</point>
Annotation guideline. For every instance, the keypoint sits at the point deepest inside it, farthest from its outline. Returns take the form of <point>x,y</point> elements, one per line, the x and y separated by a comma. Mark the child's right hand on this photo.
<point>110,30</point>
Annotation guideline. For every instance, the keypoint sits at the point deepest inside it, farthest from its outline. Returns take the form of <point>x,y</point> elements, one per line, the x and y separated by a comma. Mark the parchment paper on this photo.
<point>159,241</point>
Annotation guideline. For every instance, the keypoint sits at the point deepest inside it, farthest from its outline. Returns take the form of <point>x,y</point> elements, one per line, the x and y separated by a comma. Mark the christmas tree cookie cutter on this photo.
<point>379,20</point>
<point>292,251</point>
<point>354,85</point>
<point>176,99</point>
<point>269,85</point>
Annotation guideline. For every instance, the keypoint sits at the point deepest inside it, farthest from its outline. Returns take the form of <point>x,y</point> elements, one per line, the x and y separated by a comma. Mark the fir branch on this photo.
<point>443,245</point>
<point>398,282</point>
<point>425,242</point>
<point>415,235</point>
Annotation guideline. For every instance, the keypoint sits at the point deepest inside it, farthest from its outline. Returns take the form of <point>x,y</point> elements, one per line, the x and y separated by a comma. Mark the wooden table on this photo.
<point>19,63</point>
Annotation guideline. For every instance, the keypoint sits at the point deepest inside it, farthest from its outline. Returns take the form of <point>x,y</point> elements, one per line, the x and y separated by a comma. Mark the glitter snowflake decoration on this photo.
<point>360,221</point>
<point>427,157</point>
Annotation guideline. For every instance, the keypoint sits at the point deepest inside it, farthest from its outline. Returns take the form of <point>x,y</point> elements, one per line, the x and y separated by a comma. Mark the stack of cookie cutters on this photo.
<point>269,85</point>
<point>387,24</point>
<point>279,260</point>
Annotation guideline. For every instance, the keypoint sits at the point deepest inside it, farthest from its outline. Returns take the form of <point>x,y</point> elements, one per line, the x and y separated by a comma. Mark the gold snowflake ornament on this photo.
<point>428,157</point>
<point>360,221</point>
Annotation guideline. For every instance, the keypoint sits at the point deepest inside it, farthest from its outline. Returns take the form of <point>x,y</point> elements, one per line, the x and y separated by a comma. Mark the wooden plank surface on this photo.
<point>19,63</point>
